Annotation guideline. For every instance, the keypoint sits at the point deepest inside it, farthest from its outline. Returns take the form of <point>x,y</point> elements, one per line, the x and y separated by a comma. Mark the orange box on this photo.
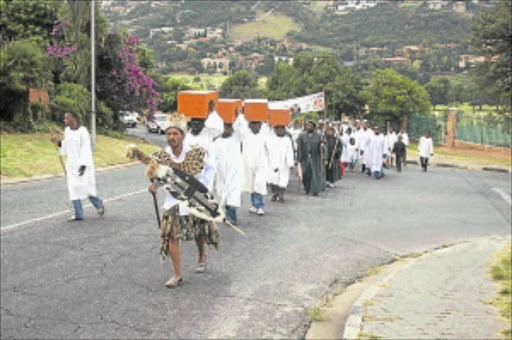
<point>279,117</point>
<point>226,108</point>
<point>194,104</point>
<point>256,110</point>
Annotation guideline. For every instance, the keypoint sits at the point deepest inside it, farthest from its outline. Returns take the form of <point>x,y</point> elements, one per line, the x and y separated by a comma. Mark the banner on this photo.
<point>311,103</point>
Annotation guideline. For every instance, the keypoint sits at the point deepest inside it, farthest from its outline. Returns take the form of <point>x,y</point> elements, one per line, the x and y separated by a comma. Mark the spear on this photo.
<point>52,134</point>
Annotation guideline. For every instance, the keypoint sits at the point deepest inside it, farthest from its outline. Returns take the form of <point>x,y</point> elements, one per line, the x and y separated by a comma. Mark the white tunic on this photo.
<point>255,163</point>
<point>405,139</point>
<point>227,160</point>
<point>280,153</point>
<point>391,139</point>
<point>426,147</point>
<point>204,139</point>
<point>77,146</point>
<point>375,149</point>
<point>345,140</point>
<point>362,140</point>
<point>215,122</point>
<point>241,128</point>
<point>205,176</point>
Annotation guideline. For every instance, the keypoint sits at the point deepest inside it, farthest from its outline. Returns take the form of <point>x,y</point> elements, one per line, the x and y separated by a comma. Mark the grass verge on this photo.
<point>271,26</point>
<point>27,155</point>
<point>316,314</point>
<point>501,273</point>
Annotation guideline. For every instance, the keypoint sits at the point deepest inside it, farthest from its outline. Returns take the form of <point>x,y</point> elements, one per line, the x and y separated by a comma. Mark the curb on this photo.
<point>40,178</point>
<point>465,167</point>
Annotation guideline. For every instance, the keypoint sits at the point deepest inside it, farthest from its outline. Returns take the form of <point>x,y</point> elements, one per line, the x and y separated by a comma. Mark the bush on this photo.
<point>71,97</point>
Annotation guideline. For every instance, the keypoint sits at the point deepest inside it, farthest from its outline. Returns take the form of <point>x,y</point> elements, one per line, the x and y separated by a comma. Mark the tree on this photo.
<point>24,65</point>
<point>391,96</point>
<point>169,92</point>
<point>438,89</point>
<point>492,38</point>
<point>241,85</point>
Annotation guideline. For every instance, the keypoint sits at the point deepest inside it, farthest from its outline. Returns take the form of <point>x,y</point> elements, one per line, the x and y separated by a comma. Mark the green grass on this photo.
<point>215,80</point>
<point>271,26</point>
<point>362,335</point>
<point>27,155</point>
<point>316,314</point>
<point>501,273</point>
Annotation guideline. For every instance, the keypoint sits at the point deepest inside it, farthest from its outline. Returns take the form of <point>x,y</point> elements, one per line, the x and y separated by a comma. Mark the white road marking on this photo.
<point>38,219</point>
<point>503,195</point>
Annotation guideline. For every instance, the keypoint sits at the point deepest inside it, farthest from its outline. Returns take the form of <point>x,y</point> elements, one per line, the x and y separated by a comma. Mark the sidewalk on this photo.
<point>439,295</point>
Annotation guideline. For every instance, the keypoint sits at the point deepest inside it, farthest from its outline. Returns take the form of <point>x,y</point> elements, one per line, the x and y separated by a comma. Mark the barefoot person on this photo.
<point>79,166</point>
<point>176,223</point>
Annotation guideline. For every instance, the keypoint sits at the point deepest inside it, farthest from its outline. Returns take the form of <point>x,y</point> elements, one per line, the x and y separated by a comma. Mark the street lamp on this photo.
<point>93,79</point>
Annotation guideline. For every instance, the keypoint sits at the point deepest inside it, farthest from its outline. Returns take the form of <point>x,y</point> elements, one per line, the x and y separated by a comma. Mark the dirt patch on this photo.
<point>479,151</point>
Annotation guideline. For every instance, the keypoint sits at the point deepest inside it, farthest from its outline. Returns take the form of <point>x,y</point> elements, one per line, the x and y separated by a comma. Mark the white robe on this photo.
<point>77,146</point>
<point>280,153</point>
<point>362,141</point>
<point>255,163</point>
<point>241,128</point>
<point>426,147</point>
<point>204,139</point>
<point>228,164</point>
<point>215,122</point>
<point>345,140</point>
<point>405,139</point>
<point>391,139</point>
<point>375,150</point>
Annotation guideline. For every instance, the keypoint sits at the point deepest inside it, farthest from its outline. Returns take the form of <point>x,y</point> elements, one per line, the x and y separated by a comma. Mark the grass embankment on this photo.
<point>27,155</point>
<point>466,155</point>
<point>271,26</point>
<point>205,81</point>
<point>501,273</point>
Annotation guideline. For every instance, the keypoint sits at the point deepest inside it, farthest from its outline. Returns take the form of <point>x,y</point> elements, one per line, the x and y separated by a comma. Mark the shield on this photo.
<point>192,195</point>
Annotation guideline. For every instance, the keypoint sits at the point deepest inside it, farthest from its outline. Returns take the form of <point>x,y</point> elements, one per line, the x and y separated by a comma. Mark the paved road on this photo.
<point>102,278</point>
<point>141,132</point>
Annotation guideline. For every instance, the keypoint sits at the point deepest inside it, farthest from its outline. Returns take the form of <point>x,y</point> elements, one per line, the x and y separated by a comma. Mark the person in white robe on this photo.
<point>200,136</point>
<point>80,174</point>
<point>391,139</point>
<point>351,154</point>
<point>255,167</point>
<point>214,120</point>
<point>405,140</point>
<point>280,153</point>
<point>364,136</point>
<point>240,126</point>
<point>376,153</point>
<point>228,178</point>
<point>426,149</point>
<point>345,156</point>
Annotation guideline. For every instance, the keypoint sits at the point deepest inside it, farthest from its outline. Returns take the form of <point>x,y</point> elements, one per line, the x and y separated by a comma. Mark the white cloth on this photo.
<point>204,139</point>
<point>426,147</point>
<point>77,146</point>
<point>255,163</point>
<point>241,127</point>
<point>280,154</point>
<point>205,176</point>
<point>375,150</point>
<point>391,139</point>
<point>215,122</point>
<point>351,153</point>
<point>227,159</point>
<point>345,140</point>
<point>362,141</point>
<point>405,139</point>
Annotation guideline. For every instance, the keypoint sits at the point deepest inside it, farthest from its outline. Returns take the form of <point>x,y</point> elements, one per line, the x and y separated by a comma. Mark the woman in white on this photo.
<point>79,166</point>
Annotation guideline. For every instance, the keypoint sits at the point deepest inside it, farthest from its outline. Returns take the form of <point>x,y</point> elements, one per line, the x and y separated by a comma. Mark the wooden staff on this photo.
<point>52,134</point>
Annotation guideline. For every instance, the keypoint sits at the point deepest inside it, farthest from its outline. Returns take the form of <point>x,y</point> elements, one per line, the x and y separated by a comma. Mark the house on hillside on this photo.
<point>252,61</point>
<point>215,65</point>
<point>352,5</point>
<point>396,60</point>
<point>167,32</point>
<point>284,59</point>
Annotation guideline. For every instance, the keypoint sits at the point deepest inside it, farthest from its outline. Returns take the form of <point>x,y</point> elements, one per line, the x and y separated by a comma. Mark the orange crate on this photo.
<point>194,104</point>
<point>256,110</point>
<point>279,117</point>
<point>226,109</point>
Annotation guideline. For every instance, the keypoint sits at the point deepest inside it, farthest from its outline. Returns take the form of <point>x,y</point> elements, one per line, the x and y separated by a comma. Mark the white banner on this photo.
<point>311,103</point>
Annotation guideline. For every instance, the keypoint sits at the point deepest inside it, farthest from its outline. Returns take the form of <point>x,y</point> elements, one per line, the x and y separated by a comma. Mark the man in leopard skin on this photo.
<point>177,225</point>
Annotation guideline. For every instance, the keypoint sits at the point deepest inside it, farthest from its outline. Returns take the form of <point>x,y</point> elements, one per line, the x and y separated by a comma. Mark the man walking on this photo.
<point>333,148</point>
<point>426,149</point>
<point>405,140</point>
<point>399,151</point>
<point>214,121</point>
<point>308,158</point>
<point>391,139</point>
<point>376,154</point>
<point>79,166</point>
<point>280,152</point>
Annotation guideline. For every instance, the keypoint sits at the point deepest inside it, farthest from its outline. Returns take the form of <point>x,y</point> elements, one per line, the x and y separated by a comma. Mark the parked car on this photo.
<point>157,123</point>
<point>127,118</point>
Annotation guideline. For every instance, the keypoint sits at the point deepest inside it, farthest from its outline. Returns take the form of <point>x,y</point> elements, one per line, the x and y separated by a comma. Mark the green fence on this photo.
<point>482,130</point>
<point>418,124</point>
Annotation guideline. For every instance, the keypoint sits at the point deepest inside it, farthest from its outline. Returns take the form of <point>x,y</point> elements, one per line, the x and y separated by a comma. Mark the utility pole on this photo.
<point>93,79</point>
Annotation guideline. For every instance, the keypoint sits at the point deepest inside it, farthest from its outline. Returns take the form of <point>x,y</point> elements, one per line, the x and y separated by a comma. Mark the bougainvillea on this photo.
<point>59,46</point>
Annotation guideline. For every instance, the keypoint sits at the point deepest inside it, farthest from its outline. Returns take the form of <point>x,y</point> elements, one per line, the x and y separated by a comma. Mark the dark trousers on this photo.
<point>424,163</point>
<point>277,191</point>
<point>231,214</point>
<point>399,163</point>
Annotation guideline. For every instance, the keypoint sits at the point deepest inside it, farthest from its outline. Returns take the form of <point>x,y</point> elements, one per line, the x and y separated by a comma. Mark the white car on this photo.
<point>158,123</point>
<point>127,118</point>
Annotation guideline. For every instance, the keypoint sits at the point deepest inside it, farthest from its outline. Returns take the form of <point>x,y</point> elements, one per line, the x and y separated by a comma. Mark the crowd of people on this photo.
<point>244,156</point>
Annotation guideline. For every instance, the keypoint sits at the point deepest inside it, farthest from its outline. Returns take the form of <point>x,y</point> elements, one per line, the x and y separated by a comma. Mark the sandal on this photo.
<point>173,282</point>
<point>201,268</point>
<point>101,210</point>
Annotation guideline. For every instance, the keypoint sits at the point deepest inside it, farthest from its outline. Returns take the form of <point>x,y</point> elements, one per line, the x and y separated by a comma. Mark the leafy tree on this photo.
<point>492,38</point>
<point>438,89</point>
<point>391,96</point>
<point>71,97</point>
<point>242,85</point>
<point>24,65</point>
<point>169,92</point>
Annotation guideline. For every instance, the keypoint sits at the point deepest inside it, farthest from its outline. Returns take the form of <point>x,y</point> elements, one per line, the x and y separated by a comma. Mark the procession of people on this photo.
<point>225,157</point>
